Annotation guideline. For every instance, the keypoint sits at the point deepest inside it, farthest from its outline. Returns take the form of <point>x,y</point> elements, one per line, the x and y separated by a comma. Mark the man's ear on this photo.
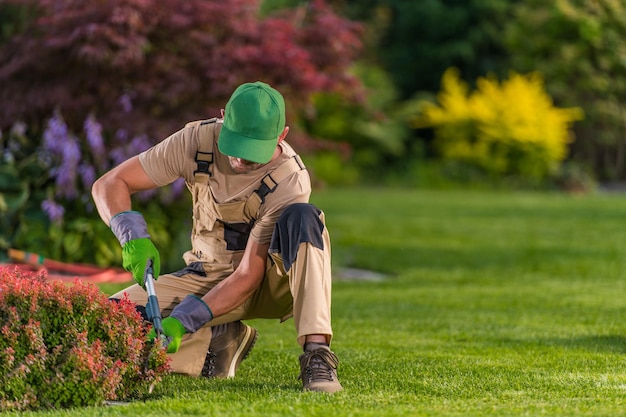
<point>284,134</point>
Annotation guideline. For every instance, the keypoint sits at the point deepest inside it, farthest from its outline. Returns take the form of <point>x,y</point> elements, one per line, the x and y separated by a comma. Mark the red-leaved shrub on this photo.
<point>64,345</point>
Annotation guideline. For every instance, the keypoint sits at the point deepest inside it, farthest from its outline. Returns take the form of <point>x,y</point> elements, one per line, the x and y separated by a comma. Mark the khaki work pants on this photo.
<point>303,292</point>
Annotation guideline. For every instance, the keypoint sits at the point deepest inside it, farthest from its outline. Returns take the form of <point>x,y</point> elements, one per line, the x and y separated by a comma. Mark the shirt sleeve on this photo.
<point>172,158</point>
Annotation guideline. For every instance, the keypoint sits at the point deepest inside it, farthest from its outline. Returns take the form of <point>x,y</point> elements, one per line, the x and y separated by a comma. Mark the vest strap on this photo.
<point>271,180</point>
<point>203,159</point>
<point>269,184</point>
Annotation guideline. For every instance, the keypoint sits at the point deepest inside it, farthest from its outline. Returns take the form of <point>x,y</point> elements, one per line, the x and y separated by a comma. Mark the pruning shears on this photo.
<point>153,310</point>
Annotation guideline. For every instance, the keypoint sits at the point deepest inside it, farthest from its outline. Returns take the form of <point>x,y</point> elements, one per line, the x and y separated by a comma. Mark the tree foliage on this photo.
<point>148,64</point>
<point>580,47</point>
<point>376,131</point>
<point>418,40</point>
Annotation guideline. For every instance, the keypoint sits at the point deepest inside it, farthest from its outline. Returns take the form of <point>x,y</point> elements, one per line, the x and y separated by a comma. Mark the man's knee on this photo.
<point>298,223</point>
<point>304,213</point>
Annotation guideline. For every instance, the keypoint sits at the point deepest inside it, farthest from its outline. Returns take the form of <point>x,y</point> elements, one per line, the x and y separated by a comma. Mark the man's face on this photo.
<point>243,166</point>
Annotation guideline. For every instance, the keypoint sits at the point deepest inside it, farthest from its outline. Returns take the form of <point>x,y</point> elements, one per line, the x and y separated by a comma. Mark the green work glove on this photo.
<point>135,256</point>
<point>188,316</point>
<point>131,230</point>
<point>174,330</point>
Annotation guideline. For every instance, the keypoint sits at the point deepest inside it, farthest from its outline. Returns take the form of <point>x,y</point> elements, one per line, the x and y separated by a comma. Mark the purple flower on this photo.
<point>87,174</point>
<point>122,135</point>
<point>93,132</point>
<point>128,147</point>
<point>147,195</point>
<point>66,172</point>
<point>63,153</point>
<point>55,135</point>
<point>139,144</point>
<point>119,154</point>
<point>178,187</point>
<point>54,211</point>
<point>126,103</point>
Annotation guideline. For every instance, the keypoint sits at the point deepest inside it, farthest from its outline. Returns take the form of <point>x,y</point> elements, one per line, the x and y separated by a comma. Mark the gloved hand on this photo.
<point>131,231</point>
<point>193,313</point>
<point>135,256</point>
<point>187,317</point>
<point>174,330</point>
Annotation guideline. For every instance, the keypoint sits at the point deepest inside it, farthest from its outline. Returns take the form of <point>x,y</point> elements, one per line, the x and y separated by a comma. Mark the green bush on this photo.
<point>64,346</point>
<point>370,136</point>
<point>509,129</point>
<point>331,169</point>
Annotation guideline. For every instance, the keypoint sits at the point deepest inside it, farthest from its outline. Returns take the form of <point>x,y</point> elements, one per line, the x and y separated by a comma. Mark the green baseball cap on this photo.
<point>254,117</point>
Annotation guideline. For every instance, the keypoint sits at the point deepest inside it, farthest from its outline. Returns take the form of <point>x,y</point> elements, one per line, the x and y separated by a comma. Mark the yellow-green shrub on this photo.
<point>508,128</point>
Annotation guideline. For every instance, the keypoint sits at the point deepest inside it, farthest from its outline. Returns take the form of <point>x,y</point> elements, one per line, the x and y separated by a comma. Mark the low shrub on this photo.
<point>505,129</point>
<point>65,346</point>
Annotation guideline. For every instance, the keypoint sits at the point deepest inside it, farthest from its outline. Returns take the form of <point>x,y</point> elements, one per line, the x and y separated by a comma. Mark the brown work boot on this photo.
<point>318,369</point>
<point>228,350</point>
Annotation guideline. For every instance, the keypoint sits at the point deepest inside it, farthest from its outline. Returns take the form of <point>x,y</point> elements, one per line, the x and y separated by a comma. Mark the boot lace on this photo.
<point>208,370</point>
<point>318,365</point>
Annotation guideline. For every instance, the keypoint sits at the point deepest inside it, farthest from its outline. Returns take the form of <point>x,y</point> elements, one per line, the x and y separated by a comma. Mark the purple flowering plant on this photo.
<point>45,191</point>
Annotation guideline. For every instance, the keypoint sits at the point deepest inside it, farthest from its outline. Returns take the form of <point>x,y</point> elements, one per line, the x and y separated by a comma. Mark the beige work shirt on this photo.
<point>174,158</point>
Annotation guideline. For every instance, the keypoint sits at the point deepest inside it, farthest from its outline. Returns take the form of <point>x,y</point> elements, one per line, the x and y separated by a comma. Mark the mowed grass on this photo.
<point>510,304</point>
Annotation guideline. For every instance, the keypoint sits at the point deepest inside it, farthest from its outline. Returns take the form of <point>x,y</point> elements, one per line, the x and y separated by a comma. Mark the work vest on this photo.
<point>220,231</point>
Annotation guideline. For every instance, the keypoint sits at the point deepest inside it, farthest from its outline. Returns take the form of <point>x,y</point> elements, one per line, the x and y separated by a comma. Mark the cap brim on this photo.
<point>244,147</point>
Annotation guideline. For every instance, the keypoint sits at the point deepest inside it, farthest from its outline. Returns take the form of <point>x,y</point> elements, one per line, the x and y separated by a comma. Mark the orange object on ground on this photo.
<point>67,272</point>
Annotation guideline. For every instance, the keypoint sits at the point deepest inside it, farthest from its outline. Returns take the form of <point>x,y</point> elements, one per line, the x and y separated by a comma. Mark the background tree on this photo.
<point>580,47</point>
<point>146,65</point>
<point>421,39</point>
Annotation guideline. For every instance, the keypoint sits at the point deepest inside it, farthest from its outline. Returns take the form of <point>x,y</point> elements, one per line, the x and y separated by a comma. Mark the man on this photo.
<point>259,249</point>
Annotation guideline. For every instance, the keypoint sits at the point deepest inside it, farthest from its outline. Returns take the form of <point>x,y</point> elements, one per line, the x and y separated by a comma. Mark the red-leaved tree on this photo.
<point>150,65</point>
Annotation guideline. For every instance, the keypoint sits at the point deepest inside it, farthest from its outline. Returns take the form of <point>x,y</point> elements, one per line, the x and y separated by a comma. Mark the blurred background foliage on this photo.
<point>507,129</point>
<point>430,93</point>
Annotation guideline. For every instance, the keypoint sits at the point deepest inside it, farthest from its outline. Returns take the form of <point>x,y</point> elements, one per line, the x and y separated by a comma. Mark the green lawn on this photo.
<point>508,304</point>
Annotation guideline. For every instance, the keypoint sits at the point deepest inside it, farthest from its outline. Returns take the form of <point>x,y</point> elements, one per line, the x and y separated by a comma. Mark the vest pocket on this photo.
<point>236,235</point>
